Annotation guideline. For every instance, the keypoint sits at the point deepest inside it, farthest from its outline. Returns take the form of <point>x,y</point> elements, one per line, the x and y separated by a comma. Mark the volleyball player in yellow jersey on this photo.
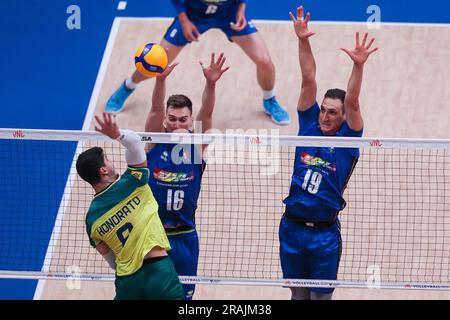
<point>123,222</point>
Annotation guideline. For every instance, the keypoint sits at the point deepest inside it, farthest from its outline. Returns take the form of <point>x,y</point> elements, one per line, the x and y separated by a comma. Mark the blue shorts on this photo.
<point>310,253</point>
<point>184,255</point>
<point>174,33</point>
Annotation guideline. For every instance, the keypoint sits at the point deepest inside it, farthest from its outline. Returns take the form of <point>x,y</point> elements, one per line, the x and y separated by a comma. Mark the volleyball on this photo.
<point>151,59</point>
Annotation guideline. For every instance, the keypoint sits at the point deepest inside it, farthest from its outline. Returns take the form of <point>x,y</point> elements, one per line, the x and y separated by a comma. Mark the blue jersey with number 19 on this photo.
<point>320,174</point>
<point>175,177</point>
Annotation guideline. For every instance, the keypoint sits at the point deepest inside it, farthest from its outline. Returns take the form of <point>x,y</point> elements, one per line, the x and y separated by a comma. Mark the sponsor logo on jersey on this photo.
<point>317,162</point>
<point>164,155</point>
<point>172,177</point>
<point>137,174</point>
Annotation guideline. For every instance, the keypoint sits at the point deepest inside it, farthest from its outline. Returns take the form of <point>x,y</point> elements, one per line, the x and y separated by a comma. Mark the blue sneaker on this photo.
<point>277,113</point>
<point>117,100</point>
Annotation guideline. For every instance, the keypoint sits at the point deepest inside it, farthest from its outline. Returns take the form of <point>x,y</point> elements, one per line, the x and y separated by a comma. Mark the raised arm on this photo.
<point>212,73</point>
<point>134,148</point>
<point>308,90</point>
<point>155,117</point>
<point>351,104</point>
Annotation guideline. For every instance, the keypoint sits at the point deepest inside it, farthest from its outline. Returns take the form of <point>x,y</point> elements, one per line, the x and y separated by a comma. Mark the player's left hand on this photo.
<point>240,23</point>
<point>215,70</point>
<point>107,126</point>
<point>361,53</point>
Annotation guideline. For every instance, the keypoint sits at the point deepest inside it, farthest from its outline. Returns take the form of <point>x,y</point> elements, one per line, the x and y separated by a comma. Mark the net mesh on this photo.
<point>395,220</point>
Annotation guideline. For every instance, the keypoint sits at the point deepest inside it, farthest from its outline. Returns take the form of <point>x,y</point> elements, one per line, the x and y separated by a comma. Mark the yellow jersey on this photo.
<point>125,217</point>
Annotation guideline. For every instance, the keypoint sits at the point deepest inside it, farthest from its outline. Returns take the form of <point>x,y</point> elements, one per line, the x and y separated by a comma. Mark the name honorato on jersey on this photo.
<point>320,174</point>
<point>176,173</point>
<point>125,217</point>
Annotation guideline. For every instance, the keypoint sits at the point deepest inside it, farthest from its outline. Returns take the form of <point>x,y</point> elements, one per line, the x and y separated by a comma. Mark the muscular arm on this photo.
<point>241,21</point>
<point>208,101</point>
<point>359,55</point>
<point>107,254</point>
<point>351,103</point>
<point>308,90</point>
<point>212,74</point>
<point>190,31</point>
<point>155,116</point>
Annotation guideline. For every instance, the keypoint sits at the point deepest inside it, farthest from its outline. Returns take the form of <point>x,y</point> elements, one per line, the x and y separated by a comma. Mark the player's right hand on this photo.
<point>107,126</point>
<point>301,24</point>
<point>190,31</point>
<point>167,71</point>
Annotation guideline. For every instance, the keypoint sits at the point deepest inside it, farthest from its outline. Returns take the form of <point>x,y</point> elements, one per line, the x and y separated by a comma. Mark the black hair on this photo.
<point>179,101</point>
<point>89,163</point>
<point>335,94</point>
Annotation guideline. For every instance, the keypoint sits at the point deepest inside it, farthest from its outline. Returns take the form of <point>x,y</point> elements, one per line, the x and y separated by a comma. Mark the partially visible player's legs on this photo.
<point>300,294</point>
<point>184,254</point>
<point>321,296</point>
<point>160,280</point>
<point>173,50</point>
<point>256,49</point>
<point>156,279</point>
<point>294,260</point>
<point>327,246</point>
<point>116,102</point>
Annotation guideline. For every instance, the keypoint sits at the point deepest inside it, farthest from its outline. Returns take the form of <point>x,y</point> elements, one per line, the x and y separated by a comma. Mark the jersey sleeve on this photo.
<point>307,118</point>
<point>346,131</point>
<point>178,5</point>
<point>92,241</point>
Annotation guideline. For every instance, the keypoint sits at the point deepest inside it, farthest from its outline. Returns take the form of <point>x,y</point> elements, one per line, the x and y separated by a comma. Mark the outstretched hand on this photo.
<point>107,126</point>
<point>167,71</point>
<point>361,53</point>
<point>214,71</point>
<point>301,24</point>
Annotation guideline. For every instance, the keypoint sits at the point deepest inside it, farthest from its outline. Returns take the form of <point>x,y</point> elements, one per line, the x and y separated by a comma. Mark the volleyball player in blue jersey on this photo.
<point>195,17</point>
<point>176,170</point>
<point>310,241</point>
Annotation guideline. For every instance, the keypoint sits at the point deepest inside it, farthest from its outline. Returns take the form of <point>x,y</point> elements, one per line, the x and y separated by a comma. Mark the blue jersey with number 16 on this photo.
<point>175,177</point>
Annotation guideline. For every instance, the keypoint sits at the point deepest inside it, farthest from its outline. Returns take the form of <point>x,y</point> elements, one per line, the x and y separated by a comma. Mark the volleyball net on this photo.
<point>395,227</point>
